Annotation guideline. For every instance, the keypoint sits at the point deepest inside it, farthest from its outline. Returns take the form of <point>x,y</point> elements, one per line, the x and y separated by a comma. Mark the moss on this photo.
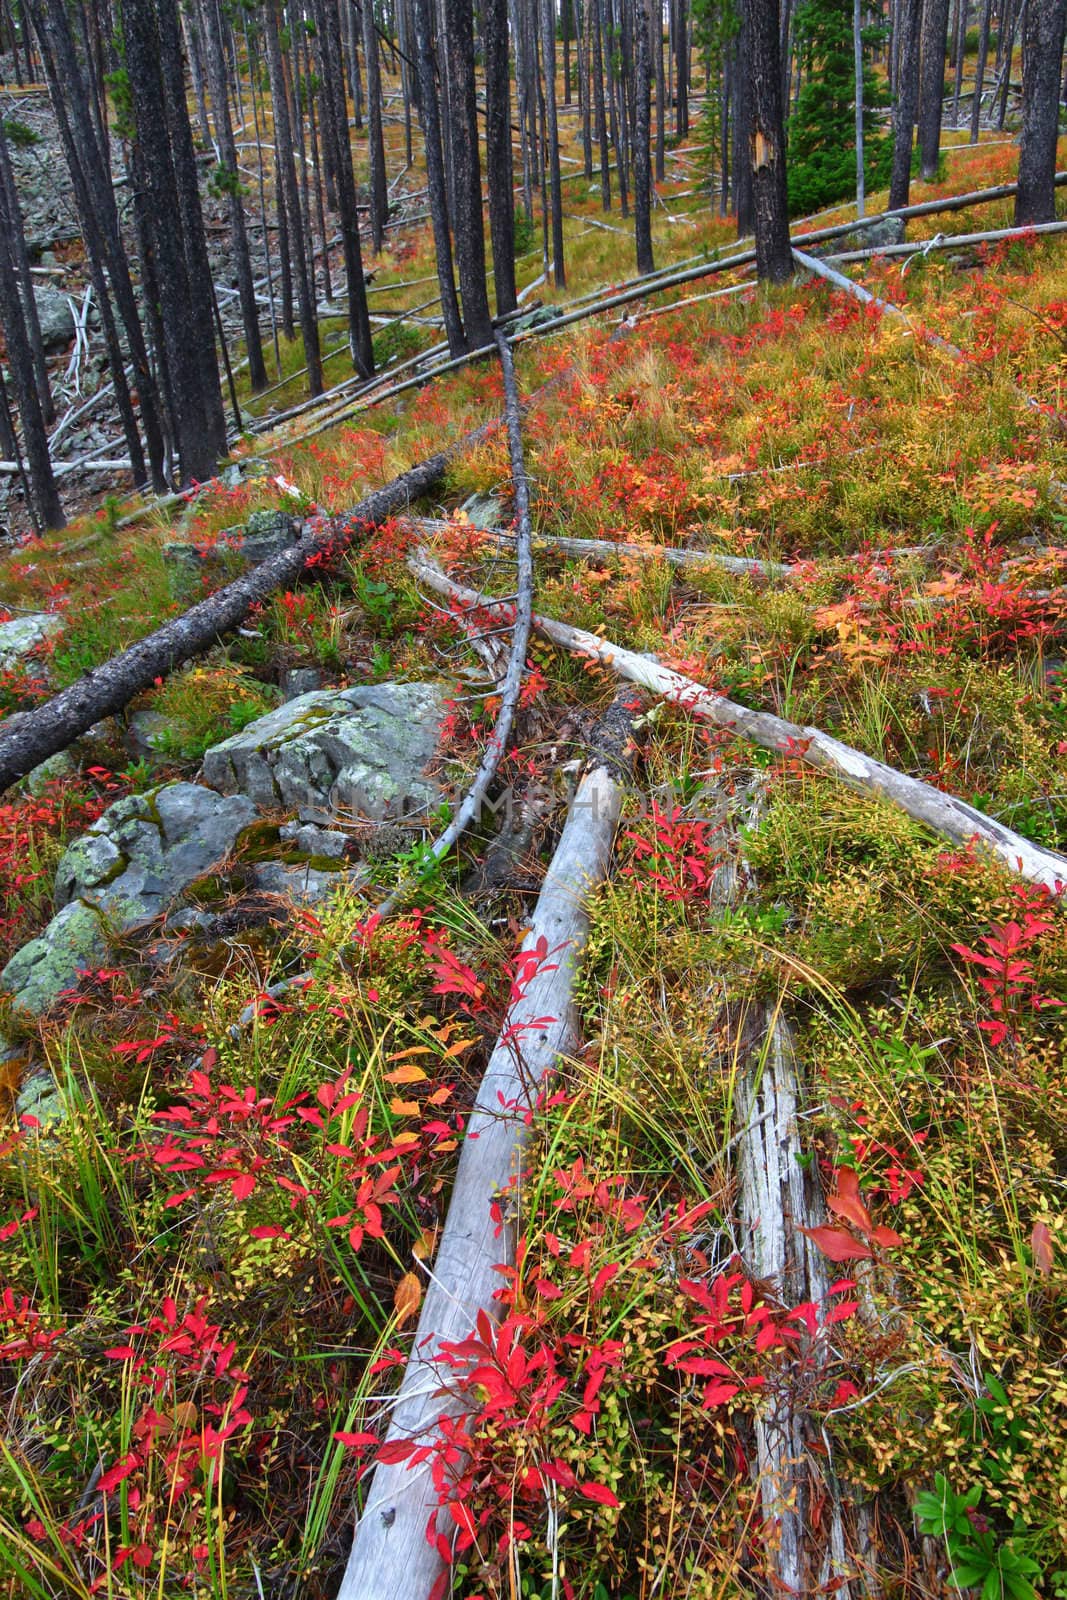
<point>260,841</point>
<point>208,891</point>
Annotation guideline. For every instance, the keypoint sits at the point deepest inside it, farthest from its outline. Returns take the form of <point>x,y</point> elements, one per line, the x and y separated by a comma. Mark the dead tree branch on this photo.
<point>509,690</point>
<point>943,813</point>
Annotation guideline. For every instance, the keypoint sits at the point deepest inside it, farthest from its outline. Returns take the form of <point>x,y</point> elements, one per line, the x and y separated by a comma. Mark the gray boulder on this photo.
<point>312,841</point>
<point>265,534</point>
<point>483,511</point>
<point>361,750</point>
<point>300,883</point>
<point>23,634</point>
<point>300,680</point>
<point>888,230</point>
<point>133,861</point>
<point>56,316</point>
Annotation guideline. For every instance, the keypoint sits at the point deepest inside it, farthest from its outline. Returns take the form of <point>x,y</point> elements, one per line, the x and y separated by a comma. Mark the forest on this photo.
<point>533,799</point>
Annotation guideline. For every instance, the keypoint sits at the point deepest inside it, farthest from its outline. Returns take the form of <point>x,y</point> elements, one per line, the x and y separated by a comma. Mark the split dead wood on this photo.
<point>942,813</point>
<point>391,1557</point>
<point>497,744</point>
<point>31,737</point>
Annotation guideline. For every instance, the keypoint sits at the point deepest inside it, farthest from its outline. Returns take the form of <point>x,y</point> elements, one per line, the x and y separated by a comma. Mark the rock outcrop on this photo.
<point>133,862</point>
<point>355,752</point>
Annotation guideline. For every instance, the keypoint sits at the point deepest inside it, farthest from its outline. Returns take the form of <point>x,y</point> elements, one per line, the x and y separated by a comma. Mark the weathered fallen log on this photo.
<point>950,241</point>
<point>606,549</point>
<point>497,743</point>
<point>943,813</point>
<point>778,1199</point>
<point>865,297</point>
<point>391,1557</point>
<point>32,736</point>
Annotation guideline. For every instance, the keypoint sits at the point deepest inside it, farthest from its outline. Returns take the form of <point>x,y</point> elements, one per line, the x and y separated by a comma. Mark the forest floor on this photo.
<point>195,1362</point>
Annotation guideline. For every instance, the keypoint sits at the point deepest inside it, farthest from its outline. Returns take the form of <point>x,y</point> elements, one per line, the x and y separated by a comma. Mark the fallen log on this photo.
<point>800,1497</point>
<point>865,297</point>
<point>497,743</point>
<point>942,813</point>
<point>951,241</point>
<point>392,1558</point>
<point>607,549</point>
<point>31,737</point>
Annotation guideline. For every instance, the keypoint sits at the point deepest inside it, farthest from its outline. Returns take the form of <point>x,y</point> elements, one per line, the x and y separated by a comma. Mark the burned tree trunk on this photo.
<point>467,174</point>
<point>909,13</point>
<point>770,200</point>
<point>1035,198</point>
<point>498,162</point>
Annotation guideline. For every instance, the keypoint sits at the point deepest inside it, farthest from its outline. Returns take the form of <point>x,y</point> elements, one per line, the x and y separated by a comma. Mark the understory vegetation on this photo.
<point>212,1263</point>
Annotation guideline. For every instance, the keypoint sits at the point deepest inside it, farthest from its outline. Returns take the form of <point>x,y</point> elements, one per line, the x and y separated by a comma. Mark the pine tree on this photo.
<point>822,144</point>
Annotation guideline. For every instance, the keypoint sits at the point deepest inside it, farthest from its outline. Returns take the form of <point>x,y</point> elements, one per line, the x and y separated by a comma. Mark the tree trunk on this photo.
<point>980,66</point>
<point>770,200</point>
<point>1035,198</point>
<point>498,163</point>
<point>220,105</point>
<point>857,44</point>
<point>379,200</point>
<point>681,71</point>
<point>1005,82</point>
<point>961,36</point>
<point>14,238</point>
<point>642,164</point>
<point>467,174</point>
<point>336,140</point>
<point>429,112</point>
<point>932,86</point>
<point>194,241</point>
<point>288,195</point>
<point>548,45</point>
<point>194,50</point>
<point>909,13</point>
<point>185,325</point>
<point>45,506</point>
<point>94,197</point>
<point>743,198</point>
<point>597,68</point>
<point>565,29</point>
<point>661,88</point>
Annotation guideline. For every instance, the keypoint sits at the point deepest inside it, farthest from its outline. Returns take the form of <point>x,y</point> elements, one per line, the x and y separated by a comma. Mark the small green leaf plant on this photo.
<point>978,1557</point>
